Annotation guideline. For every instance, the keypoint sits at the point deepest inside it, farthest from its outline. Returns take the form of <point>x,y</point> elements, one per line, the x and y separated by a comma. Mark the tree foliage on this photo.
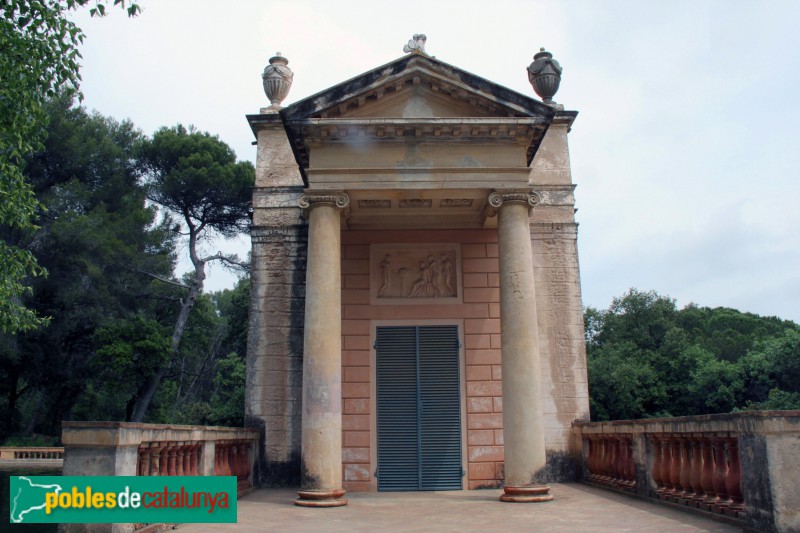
<point>195,177</point>
<point>39,59</point>
<point>94,234</point>
<point>112,296</point>
<point>648,358</point>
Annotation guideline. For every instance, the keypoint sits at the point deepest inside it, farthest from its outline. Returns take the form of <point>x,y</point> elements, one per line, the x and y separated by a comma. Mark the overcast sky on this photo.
<point>685,151</point>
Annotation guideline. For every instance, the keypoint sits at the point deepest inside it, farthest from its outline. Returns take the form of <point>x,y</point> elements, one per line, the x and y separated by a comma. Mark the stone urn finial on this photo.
<point>545,75</point>
<point>416,44</point>
<point>277,80</point>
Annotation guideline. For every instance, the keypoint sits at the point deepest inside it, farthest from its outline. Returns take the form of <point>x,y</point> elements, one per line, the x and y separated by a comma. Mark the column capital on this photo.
<point>316,198</point>
<point>498,199</point>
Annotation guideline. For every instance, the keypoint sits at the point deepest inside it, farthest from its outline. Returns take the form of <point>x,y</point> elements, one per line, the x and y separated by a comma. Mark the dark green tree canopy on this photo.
<point>648,358</point>
<point>95,235</point>
<point>196,176</point>
<point>38,60</point>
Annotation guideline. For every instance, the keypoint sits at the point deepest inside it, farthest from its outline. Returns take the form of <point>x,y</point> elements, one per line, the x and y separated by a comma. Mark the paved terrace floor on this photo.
<point>576,508</point>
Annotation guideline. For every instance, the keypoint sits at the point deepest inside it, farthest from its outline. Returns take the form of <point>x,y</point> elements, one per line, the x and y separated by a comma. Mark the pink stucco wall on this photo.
<point>479,319</point>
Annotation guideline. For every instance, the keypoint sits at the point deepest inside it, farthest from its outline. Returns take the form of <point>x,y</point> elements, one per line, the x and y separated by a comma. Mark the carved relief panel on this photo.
<point>415,274</point>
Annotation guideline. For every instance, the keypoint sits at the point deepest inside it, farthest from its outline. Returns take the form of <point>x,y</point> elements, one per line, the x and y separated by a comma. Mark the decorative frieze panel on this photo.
<point>415,273</point>
<point>374,204</point>
<point>415,202</point>
<point>456,202</point>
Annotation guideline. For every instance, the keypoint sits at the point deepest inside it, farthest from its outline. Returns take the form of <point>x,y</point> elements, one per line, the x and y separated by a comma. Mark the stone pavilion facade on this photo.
<point>415,315</point>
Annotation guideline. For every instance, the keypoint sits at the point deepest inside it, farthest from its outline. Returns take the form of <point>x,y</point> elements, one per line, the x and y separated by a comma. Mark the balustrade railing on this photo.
<point>168,459</point>
<point>183,458</point>
<point>31,453</point>
<point>159,450</point>
<point>739,466</point>
<point>610,461</point>
<point>698,470</point>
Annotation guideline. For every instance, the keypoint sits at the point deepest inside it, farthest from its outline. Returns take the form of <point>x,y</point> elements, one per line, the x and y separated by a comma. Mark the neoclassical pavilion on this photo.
<point>415,318</point>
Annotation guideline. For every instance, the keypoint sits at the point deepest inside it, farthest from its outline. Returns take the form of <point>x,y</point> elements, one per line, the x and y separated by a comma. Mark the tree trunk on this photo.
<point>13,395</point>
<point>37,409</point>
<point>180,326</point>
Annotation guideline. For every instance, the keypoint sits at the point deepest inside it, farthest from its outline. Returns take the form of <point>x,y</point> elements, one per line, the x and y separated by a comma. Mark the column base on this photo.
<point>531,493</point>
<point>321,498</point>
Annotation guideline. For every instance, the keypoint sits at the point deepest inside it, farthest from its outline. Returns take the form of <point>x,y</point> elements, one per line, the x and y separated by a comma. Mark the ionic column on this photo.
<point>523,429</point>
<point>321,453</point>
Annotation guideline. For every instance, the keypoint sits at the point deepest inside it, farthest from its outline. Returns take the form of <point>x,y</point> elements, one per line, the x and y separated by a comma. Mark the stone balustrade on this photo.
<point>610,461</point>
<point>31,453</point>
<point>130,449</point>
<point>742,467</point>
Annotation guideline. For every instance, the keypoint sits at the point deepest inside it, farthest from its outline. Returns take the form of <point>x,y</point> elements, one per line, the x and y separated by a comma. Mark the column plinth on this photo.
<point>523,428</point>
<point>321,453</point>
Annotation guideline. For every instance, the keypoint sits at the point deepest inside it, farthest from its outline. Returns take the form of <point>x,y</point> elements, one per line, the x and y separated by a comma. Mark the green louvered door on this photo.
<point>418,408</point>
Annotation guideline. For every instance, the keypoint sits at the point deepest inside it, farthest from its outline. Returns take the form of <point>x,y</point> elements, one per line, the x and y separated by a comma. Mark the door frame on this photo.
<point>373,391</point>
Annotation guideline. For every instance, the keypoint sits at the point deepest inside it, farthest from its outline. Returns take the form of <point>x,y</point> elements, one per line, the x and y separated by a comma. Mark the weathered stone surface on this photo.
<point>768,443</point>
<point>417,146</point>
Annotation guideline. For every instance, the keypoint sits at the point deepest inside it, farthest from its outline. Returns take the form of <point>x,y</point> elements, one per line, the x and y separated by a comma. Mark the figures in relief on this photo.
<point>411,274</point>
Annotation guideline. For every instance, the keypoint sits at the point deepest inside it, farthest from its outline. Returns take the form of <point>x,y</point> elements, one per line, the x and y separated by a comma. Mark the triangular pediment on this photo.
<point>416,86</point>
<point>421,102</point>
<point>415,97</point>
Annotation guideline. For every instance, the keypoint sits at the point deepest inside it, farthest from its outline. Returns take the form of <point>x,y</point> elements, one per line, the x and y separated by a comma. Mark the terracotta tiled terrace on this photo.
<point>575,508</point>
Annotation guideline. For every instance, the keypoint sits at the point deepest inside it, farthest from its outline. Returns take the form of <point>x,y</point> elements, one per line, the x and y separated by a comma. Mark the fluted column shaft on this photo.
<point>523,428</point>
<point>321,453</point>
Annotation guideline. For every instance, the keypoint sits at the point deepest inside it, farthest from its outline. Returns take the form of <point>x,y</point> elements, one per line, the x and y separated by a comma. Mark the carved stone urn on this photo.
<point>545,75</point>
<point>277,80</point>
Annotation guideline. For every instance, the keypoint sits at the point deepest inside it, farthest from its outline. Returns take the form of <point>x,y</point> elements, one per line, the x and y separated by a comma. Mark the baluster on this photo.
<point>602,458</point>
<point>233,459</point>
<point>163,469</point>
<point>612,460</point>
<point>657,459</point>
<point>226,458</point>
<point>720,473</point>
<point>686,467</point>
<point>666,466</point>
<point>155,459</point>
<point>733,481</point>
<point>171,456</point>
<point>194,459</point>
<point>246,460</point>
<point>143,466</point>
<point>707,479</point>
<point>591,457</point>
<point>624,473</point>
<point>675,470</point>
<point>696,476</point>
<point>219,461</point>
<point>605,466</point>
<point>180,450</point>
<point>631,465</point>
<point>619,463</point>
<point>237,460</point>
<point>610,453</point>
